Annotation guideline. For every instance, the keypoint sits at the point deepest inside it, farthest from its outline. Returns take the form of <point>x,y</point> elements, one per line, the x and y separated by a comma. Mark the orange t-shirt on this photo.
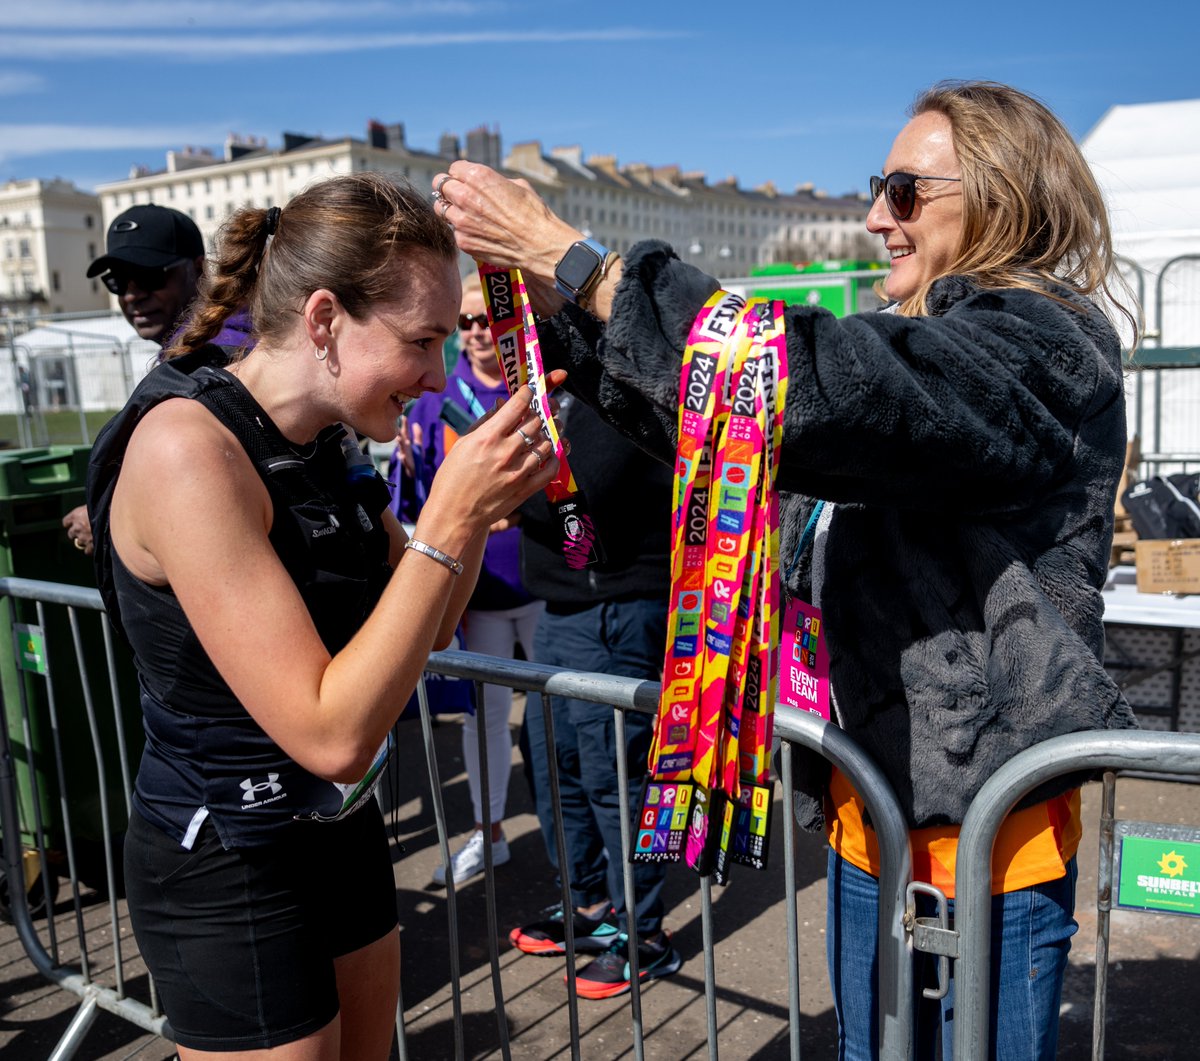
<point>1033,845</point>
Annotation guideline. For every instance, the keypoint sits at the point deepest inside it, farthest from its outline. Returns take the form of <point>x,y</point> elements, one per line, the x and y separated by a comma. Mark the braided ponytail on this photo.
<point>229,285</point>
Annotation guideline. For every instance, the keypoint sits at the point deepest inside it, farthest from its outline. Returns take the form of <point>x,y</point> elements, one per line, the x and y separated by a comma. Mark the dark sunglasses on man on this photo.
<point>901,191</point>
<point>148,278</point>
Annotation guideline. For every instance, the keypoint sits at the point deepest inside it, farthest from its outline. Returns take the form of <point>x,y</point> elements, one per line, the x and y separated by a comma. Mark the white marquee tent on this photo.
<point>88,362</point>
<point>1146,158</point>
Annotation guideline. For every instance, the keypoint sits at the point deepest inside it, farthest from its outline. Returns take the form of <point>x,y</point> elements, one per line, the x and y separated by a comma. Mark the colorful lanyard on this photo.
<point>712,735</point>
<point>510,318</point>
<point>701,391</point>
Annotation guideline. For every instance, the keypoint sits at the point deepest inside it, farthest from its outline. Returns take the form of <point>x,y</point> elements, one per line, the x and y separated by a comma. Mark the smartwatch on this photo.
<point>579,270</point>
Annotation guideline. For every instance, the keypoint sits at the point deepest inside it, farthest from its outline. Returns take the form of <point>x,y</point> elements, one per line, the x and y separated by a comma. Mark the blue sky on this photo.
<point>787,92</point>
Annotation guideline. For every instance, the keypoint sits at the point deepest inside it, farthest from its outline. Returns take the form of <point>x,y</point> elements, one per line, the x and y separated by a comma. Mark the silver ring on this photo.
<point>525,438</point>
<point>446,204</point>
<point>437,188</point>
<point>436,195</point>
<point>78,544</point>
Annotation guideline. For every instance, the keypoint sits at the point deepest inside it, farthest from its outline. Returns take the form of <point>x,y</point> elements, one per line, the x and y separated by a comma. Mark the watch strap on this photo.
<point>584,301</point>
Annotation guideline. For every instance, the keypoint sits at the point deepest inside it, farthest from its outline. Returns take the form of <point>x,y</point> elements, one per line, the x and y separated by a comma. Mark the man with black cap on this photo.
<point>153,262</point>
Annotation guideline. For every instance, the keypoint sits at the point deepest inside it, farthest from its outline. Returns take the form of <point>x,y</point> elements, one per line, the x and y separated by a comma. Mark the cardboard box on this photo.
<point>1168,566</point>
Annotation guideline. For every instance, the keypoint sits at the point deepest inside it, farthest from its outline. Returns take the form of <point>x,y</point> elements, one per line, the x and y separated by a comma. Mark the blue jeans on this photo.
<point>1031,937</point>
<point>616,637</point>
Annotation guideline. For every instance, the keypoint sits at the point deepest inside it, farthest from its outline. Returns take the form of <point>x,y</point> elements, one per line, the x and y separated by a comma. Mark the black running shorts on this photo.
<point>241,942</point>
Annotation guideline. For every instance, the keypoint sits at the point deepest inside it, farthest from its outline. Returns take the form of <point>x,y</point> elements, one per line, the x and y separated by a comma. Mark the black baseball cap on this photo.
<point>149,236</point>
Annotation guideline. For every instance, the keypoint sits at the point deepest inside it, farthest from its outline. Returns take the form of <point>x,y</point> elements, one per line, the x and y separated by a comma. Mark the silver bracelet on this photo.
<point>445,559</point>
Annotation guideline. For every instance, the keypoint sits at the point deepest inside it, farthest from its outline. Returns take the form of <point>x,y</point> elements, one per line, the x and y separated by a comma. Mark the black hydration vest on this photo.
<point>205,755</point>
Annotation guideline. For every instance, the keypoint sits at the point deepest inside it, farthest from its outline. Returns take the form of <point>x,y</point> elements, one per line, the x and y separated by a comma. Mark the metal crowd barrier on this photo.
<point>97,974</point>
<point>793,727</point>
<point>1176,754</point>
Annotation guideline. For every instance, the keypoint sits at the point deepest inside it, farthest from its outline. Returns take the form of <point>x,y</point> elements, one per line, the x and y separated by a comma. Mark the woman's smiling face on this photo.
<point>922,247</point>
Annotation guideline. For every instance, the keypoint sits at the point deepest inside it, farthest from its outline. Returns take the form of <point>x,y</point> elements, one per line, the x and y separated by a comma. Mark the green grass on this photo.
<point>52,428</point>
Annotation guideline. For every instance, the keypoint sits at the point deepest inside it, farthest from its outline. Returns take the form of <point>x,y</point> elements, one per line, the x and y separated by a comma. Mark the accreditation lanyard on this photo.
<point>514,334</point>
<point>718,662</point>
<point>470,397</point>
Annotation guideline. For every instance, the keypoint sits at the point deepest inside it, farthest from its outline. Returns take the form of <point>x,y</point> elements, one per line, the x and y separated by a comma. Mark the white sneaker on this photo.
<point>468,859</point>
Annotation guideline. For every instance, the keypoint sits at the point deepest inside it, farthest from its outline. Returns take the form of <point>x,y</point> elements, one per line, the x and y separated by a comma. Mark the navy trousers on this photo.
<point>615,637</point>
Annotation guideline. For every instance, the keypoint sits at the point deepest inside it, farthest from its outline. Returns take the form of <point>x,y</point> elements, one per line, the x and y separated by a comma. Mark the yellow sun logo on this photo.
<point>1172,864</point>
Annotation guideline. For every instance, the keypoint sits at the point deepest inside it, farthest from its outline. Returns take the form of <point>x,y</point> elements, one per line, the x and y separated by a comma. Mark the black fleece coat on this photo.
<point>973,457</point>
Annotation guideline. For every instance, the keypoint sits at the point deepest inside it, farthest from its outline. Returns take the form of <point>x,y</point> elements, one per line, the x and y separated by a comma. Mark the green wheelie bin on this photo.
<point>37,488</point>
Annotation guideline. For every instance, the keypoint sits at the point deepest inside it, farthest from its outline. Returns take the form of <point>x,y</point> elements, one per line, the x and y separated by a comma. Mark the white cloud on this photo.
<point>215,14</point>
<point>24,141</point>
<point>239,45</point>
<point>17,83</point>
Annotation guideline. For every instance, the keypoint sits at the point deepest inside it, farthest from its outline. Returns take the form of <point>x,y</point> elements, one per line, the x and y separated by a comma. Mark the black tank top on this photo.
<point>205,755</point>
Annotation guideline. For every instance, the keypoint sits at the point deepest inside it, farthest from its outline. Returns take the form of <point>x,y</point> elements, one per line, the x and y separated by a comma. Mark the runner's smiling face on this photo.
<point>394,354</point>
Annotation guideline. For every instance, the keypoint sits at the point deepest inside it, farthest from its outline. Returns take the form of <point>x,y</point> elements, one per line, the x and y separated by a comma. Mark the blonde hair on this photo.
<point>1033,216</point>
<point>345,234</point>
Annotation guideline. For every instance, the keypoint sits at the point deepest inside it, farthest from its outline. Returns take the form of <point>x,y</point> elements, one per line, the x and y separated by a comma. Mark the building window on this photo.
<point>91,250</point>
<point>55,280</point>
<point>88,221</point>
<point>24,249</point>
<point>207,184</point>
<point>208,213</point>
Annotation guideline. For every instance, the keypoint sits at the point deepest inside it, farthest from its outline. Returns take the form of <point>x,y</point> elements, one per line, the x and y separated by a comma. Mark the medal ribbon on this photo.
<point>514,334</point>
<point>755,730</point>
<point>701,387</point>
<point>719,681</point>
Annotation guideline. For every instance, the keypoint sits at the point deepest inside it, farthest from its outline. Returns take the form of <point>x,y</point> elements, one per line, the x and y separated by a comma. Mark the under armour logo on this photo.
<point>251,789</point>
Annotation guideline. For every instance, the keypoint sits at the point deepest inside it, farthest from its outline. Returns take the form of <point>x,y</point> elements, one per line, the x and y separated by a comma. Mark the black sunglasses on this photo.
<point>901,191</point>
<point>147,278</point>
<point>466,321</point>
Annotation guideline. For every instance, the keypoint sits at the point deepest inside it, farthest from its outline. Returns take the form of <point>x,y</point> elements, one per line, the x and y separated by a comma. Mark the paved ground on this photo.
<point>1153,1003</point>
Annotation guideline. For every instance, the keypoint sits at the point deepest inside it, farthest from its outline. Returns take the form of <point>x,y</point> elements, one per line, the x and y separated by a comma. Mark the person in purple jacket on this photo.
<point>501,613</point>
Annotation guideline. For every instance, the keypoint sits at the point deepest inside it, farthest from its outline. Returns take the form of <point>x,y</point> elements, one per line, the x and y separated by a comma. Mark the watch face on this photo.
<point>577,266</point>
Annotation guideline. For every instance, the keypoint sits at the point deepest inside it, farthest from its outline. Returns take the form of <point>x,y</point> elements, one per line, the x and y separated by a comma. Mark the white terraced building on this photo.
<point>49,231</point>
<point>720,226</point>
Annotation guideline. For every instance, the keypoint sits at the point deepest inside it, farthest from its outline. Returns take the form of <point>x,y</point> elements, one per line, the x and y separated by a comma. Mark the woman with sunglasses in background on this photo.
<point>967,442</point>
<point>281,617</point>
<point>500,614</point>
